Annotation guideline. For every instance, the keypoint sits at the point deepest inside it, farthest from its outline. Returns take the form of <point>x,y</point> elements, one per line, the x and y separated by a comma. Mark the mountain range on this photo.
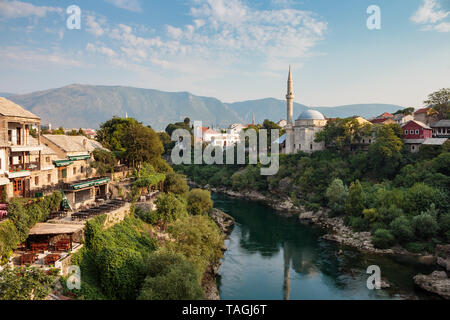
<point>86,106</point>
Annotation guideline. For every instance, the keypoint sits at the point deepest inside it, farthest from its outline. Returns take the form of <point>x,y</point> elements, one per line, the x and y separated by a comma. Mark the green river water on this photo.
<point>271,257</point>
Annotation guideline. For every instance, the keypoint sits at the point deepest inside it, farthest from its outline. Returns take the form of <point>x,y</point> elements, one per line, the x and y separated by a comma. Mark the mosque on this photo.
<point>300,135</point>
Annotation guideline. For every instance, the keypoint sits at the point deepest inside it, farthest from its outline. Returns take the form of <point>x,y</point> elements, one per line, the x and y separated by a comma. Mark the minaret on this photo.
<point>290,99</point>
<point>253,119</point>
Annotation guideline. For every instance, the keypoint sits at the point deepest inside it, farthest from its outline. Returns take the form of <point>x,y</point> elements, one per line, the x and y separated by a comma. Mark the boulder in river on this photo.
<point>443,256</point>
<point>437,282</point>
<point>224,221</point>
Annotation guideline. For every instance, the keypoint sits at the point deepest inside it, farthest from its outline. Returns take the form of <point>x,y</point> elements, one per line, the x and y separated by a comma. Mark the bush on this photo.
<point>358,224</point>
<point>148,216</point>
<point>425,226</point>
<point>354,205</point>
<point>199,202</point>
<point>402,230</point>
<point>419,247</point>
<point>371,215</point>
<point>444,224</point>
<point>383,239</point>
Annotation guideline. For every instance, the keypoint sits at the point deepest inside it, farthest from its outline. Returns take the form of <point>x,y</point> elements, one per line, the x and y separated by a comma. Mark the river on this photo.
<point>271,257</point>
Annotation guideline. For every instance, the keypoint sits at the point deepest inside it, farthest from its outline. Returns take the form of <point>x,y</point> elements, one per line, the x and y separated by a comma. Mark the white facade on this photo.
<point>300,135</point>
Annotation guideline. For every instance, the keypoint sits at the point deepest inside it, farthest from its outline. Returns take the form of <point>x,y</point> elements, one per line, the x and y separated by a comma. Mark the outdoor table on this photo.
<point>28,258</point>
<point>52,258</point>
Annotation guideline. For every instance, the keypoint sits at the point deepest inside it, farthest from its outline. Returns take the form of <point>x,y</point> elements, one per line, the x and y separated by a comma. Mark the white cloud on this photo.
<point>37,58</point>
<point>130,5</point>
<point>19,9</point>
<point>224,38</point>
<point>93,26</point>
<point>430,14</point>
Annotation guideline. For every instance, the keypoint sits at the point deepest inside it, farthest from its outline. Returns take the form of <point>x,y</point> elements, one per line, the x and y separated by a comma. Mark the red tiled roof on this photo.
<point>379,120</point>
<point>387,115</point>
<point>423,110</point>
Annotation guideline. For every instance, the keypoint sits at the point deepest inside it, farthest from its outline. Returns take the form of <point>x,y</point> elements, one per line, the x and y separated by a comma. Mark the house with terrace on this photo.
<point>74,173</point>
<point>20,155</point>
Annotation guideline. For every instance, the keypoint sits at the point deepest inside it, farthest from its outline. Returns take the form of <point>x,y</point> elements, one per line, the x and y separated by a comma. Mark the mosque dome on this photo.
<point>311,115</point>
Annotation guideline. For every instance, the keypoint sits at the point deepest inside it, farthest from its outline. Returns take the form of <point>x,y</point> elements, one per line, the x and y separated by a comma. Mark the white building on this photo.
<point>300,135</point>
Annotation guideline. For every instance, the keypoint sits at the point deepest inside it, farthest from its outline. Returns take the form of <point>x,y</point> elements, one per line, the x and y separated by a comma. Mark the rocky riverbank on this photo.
<point>225,223</point>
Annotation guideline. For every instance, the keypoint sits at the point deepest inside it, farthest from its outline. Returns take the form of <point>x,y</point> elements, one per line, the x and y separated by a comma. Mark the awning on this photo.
<point>4,181</point>
<point>91,183</point>
<point>81,157</point>
<point>62,163</point>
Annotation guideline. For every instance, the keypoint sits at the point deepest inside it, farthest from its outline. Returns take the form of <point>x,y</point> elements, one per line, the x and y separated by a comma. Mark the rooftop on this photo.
<point>74,143</point>
<point>311,115</point>
<point>441,124</point>
<point>10,109</point>
<point>423,125</point>
<point>435,141</point>
<point>53,229</point>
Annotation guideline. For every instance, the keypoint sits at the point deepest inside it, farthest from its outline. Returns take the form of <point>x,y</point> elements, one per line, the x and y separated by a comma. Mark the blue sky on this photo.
<point>232,49</point>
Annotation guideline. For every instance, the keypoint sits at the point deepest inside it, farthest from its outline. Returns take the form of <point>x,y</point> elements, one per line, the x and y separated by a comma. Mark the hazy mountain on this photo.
<point>76,106</point>
<point>87,106</point>
<point>275,110</point>
<point>6,94</point>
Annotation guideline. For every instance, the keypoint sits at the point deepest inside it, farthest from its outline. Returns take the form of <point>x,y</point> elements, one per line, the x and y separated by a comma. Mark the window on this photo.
<point>10,135</point>
<point>417,131</point>
<point>82,169</point>
<point>411,131</point>
<point>406,131</point>
<point>311,146</point>
<point>413,147</point>
<point>49,178</point>
<point>74,171</point>
<point>36,181</point>
<point>47,159</point>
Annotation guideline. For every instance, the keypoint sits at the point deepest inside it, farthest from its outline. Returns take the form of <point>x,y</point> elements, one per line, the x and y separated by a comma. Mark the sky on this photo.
<point>233,50</point>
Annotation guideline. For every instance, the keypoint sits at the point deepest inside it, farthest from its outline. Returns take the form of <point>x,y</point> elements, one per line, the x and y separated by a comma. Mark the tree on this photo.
<point>25,284</point>
<point>402,229</point>
<point>121,272</point>
<point>385,153</point>
<point>171,277</point>
<point>425,226</point>
<point>170,208</point>
<point>148,177</point>
<point>355,203</point>
<point>199,202</point>
<point>440,102</point>
<point>199,239</point>
<point>131,141</point>
<point>337,195</point>
<point>175,183</point>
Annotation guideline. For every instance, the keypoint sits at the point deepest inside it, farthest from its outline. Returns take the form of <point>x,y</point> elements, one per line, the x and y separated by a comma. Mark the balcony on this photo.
<point>25,148</point>
<point>22,170</point>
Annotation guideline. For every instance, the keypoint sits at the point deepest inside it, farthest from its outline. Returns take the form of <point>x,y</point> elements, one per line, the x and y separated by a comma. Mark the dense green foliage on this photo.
<point>133,143</point>
<point>105,161</point>
<point>25,284</point>
<point>112,261</point>
<point>171,277</point>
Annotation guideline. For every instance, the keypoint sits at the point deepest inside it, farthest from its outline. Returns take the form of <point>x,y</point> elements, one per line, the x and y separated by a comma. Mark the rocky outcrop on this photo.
<point>443,256</point>
<point>437,282</point>
<point>224,221</point>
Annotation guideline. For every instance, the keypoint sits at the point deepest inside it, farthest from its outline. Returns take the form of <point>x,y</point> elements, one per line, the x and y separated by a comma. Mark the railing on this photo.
<point>32,166</point>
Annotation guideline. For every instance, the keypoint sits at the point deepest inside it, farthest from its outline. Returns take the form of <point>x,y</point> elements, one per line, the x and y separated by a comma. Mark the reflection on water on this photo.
<point>272,257</point>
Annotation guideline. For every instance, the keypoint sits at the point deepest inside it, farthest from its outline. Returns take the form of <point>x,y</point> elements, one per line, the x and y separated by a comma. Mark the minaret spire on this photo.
<point>290,98</point>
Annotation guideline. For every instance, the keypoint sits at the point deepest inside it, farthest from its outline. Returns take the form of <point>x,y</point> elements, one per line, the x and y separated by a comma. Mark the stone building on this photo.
<point>20,155</point>
<point>300,135</point>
